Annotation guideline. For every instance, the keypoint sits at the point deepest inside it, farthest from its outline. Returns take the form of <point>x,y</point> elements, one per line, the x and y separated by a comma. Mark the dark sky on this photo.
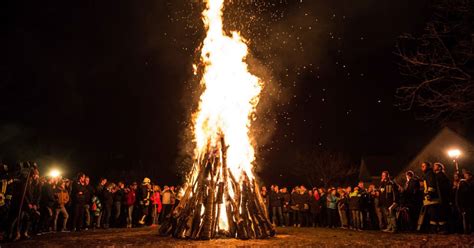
<point>105,86</point>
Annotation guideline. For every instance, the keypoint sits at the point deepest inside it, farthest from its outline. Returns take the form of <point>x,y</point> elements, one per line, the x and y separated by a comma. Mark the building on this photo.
<point>434,151</point>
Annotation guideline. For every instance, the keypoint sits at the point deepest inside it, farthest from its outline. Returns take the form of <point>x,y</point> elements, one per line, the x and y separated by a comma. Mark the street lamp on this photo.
<point>454,155</point>
<point>54,173</point>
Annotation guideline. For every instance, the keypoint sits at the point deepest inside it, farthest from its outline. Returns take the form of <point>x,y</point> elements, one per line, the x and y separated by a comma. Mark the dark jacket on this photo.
<point>314,206</point>
<point>388,193</point>
<point>275,199</point>
<point>444,185</point>
<point>88,194</point>
<point>108,198</point>
<point>119,196</point>
<point>464,194</point>
<point>431,189</point>
<point>47,196</point>
<point>78,193</point>
<point>411,194</point>
<point>286,199</point>
<point>354,200</point>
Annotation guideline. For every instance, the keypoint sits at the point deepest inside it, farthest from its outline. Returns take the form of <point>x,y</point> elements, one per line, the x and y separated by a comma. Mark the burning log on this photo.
<point>216,204</point>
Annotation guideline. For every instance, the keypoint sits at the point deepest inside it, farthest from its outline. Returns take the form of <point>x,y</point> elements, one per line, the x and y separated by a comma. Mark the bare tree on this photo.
<point>439,64</point>
<point>321,167</point>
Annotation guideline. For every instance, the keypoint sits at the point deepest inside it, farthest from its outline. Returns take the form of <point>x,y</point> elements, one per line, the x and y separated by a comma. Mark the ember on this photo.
<point>222,196</point>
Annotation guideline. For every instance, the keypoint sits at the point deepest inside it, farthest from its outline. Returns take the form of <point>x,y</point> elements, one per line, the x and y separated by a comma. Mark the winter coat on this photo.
<point>96,206</point>
<point>355,200</point>
<point>314,206</point>
<point>166,197</point>
<point>130,198</point>
<point>62,197</point>
<point>388,193</point>
<point>119,195</point>
<point>331,201</point>
<point>88,194</point>
<point>444,185</point>
<point>286,198</point>
<point>431,189</point>
<point>301,200</point>
<point>78,193</point>
<point>464,194</point>
<point>108,198</point>
<point>47,196</point>
<point>156,201</point>
<point>275,199</point>
<point>411,194</point>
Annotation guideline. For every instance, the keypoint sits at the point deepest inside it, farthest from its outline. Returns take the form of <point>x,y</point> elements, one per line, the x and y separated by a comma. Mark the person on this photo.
<point>156,202</point>
<point>343,206</point>
<point>264,195</point>
<point>130,201</point>
<point>107,204</point>
<point>315,208</point>
<point>62,198</point>
<point>432,200</point>
<point>96,209</point>
<point>364,205</point>
<point>47,203</point>
<point>444,186</point>
<point>118,199</point>
<point>286,198</point>
<point>388,200</point>
<point>166,202</point>
<point>373,223</point>
<point>464,201</point>
<point>144,195</point>
<point>78,201</point>
<point>300,204</point>
<point>275,205</point>
<point>323,205</point>
<point>355,210</point>
<point>88,193</point>
<point>99,191</point>
<point>412,198</point>
<point>332,200</point>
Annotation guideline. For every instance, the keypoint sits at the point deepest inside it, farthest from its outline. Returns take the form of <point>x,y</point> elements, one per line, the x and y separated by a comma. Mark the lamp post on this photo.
<point>454,155</point>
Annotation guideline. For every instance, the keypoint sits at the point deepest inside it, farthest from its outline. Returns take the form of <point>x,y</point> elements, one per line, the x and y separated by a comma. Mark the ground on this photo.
<point>286,237</point>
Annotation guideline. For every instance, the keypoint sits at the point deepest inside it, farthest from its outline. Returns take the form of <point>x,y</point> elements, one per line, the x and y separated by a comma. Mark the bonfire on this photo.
<point>221,197</point>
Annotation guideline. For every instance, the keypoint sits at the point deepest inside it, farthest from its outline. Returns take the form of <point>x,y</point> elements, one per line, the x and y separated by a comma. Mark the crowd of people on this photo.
<point>31,204</point>
<point>431,203</point>
<point>55,204</point>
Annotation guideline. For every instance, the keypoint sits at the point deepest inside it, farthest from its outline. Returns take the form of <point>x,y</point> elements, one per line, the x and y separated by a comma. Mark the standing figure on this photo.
<point>388,200</point>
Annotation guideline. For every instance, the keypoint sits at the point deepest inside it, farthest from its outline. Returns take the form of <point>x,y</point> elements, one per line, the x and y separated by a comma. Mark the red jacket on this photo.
<point>130,198</point>
<point>156,200</point>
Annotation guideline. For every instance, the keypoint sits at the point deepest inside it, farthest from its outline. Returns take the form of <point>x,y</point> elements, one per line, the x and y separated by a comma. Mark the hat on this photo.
<point>146,180</point>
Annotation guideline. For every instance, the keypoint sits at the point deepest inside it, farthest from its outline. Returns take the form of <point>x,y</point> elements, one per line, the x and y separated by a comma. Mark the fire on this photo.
<point>222,196</point>
<point>231,94</point>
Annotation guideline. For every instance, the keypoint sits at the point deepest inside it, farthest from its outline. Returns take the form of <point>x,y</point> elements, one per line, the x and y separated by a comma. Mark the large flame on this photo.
<point>227,104</point>
<point>230,95</point>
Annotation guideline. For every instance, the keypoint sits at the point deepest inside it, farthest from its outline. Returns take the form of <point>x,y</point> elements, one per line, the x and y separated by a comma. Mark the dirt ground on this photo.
<point>286,237</point>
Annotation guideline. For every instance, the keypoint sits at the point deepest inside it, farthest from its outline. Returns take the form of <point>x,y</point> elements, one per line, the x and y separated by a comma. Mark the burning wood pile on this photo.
<point>216,204</point>
<point>222,198</point>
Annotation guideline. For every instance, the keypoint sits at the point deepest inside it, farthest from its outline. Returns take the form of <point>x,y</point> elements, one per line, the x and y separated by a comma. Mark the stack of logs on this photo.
<point>197,214</point>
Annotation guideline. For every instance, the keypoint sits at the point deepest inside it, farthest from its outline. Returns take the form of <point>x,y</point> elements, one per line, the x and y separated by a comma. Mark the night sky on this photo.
<point>108,86</point>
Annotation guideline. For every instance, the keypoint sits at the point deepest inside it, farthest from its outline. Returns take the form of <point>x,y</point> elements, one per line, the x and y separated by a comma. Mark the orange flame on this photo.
<point>231,94</point>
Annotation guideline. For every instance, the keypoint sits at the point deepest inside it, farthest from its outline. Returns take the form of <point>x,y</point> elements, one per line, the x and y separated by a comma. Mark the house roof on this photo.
<point>436,151</point>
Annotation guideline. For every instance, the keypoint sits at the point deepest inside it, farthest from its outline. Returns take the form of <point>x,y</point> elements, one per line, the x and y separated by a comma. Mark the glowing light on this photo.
<point>454,153</point>
<point>54,173</point>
